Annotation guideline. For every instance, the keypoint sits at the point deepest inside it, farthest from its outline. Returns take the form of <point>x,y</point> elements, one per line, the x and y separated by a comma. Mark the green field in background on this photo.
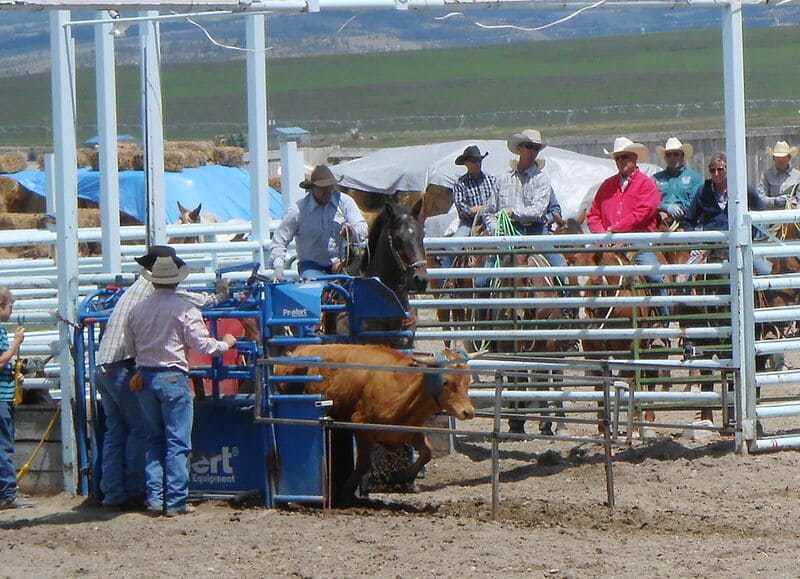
<point>649,82</point>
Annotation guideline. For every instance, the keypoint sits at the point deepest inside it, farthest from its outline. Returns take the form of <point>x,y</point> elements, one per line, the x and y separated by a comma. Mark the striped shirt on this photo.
<point>163,327</point>
<point>468,192</point>
<point>113,347</point>
<point>7,372</point>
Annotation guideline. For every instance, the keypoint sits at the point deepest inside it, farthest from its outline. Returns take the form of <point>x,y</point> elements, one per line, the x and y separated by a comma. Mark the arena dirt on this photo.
<point>683,509</point>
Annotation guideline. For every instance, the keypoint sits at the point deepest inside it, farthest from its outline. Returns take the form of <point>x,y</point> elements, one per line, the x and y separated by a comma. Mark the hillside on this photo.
<point>647,82</point>
<point>24,34</point>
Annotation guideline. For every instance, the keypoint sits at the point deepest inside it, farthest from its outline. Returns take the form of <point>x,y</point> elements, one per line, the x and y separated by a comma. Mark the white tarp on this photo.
<point>575,177</point>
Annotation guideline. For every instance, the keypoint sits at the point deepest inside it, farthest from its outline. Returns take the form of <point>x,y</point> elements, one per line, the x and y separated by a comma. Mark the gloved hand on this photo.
<point>675,211</point>
<point>277,272</point>
<point>780,201</point>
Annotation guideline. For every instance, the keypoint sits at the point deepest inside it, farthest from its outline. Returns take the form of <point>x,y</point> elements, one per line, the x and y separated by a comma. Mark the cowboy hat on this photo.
<point>321,176</point>
<point>782,149</point>
<point>625,145</point>
<point>162,266</point>
<point>526,136</point>
<point>674,144</point>
<point>471,152</point>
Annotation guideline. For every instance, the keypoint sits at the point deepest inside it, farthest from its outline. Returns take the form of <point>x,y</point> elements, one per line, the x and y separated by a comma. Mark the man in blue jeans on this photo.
<point>160,331</point>
<point>124,440</point>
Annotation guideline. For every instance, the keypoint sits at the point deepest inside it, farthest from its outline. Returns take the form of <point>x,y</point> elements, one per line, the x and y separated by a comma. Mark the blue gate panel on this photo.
<point>228,447</point>
<point>299,470</point>
<point>289,302</point>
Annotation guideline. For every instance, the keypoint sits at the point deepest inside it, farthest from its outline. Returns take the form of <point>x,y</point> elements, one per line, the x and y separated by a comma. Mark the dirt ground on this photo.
<point>683,508</point>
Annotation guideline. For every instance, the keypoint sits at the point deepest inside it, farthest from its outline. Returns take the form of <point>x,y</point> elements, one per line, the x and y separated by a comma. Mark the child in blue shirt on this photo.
<point>8,476</point>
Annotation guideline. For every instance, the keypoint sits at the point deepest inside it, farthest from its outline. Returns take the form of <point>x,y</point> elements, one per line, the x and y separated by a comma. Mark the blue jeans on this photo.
<point>312,270</point>
<point>168,411</point>
<point>649,258</point>
<point>125,440</point>
<point>464,230</point>
<point>8,476</point>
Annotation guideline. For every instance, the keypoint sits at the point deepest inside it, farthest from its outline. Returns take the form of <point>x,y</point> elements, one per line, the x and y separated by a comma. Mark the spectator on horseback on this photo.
<point>779,184</point>
<point>470,193</point>
<point>709,208</point>
<point>677,182</point>
<point>524,194</point>
<point>318,222</point>
<point>627,202</point>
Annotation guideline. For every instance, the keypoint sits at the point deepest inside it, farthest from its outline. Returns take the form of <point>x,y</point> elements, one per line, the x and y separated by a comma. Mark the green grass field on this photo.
<point>583,86</point>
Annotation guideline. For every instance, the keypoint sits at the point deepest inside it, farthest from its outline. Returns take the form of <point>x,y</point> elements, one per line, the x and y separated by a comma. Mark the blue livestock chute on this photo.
<point>256,440</point>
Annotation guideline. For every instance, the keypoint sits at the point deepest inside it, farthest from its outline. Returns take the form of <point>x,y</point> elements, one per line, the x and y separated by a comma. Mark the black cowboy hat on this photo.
<point>162,265</point>
<point>321,176</point>
<point>471,152</point>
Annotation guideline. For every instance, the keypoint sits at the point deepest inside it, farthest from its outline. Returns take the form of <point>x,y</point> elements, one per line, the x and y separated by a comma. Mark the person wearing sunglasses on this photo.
<point>627,202</point>
<point>525,193</point>
<point>677,183</point>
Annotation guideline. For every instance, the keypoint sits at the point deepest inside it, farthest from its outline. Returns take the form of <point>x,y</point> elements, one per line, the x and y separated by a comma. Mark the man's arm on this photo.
<point>283,236</point>
<point>355,218</point>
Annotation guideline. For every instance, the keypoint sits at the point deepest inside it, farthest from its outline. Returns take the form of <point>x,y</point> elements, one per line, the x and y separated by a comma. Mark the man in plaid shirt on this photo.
<point>470,193</point>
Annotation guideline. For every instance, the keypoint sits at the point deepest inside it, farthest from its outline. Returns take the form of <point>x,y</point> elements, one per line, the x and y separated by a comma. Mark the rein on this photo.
<point>406,267</point>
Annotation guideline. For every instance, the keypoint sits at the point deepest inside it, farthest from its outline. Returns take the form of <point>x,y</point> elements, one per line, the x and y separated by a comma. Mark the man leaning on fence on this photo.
<point>124,439</point>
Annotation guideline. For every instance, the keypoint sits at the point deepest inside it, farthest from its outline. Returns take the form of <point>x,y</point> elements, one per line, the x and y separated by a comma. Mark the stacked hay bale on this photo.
<point>229,156</point>
<point>126,157</point>
<point>13,162</point>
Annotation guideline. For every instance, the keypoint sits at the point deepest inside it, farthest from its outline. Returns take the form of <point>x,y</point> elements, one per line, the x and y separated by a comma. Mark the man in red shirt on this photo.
<point>628,203</point>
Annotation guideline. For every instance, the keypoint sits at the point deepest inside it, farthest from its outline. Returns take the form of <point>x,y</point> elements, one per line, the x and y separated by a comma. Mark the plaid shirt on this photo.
<point>528,193</point>
<point>468,192</point>
<point>113,347</point>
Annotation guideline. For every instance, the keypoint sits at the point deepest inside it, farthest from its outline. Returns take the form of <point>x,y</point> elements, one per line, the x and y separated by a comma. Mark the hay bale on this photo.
<point>126,157</point>
<point>15,198</point>
<point>9,189</point>
<point>174,161</point>
<point>367,201</point>
<point>229,156</point>
<point>11,220</point>
<point>85,157</point>
<point>13,162</point>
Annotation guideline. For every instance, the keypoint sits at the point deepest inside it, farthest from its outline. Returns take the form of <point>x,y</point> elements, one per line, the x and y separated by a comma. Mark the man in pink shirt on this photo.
<point>161,329</point>
<point>628,203</point>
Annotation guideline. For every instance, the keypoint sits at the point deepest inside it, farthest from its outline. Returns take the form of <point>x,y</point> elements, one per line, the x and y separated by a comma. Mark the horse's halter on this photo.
<point>407,268</point>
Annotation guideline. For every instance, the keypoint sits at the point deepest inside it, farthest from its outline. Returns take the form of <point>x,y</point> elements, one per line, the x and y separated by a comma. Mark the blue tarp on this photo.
<point>223,191</point>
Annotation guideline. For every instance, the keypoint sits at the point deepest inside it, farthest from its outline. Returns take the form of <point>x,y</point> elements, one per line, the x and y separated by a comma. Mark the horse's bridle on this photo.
<point>406,267</point>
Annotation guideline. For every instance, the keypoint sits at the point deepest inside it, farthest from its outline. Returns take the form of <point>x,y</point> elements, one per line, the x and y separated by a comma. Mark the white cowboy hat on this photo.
<point>782,149</point>
<point>526,136</point>
<point>162,266</point>
<point>674,144</point>
<point>625,145</point>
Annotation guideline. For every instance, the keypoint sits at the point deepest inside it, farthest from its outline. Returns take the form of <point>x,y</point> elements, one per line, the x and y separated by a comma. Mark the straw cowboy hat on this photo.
<point>321,176</point>
<point>162,266</point>
<point>674,144</point>
<point>526,136</point>
<point>782,149</point>
<point>471,152</point>
<point>625,145</point>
